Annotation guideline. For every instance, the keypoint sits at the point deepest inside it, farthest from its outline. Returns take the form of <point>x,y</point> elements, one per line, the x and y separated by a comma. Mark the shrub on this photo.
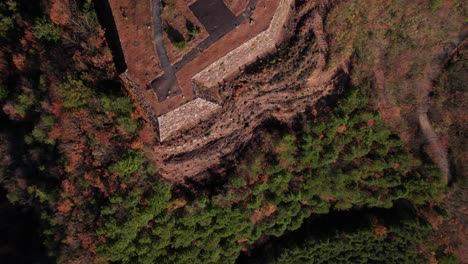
<point>128,124</point>
<point>192,28</point>
<point>117,105</point>
<point>25,102</point>
<point>180,44</point>
<point>46,31</point>
<point>8,10</point>
<point>3,92</point>
<point>6,25</point>
<point>435,4</point>
<point>12,197</point>
<point>74,93</point>
<point>175,37</point>
<point>131,162</point>
<point>40,131</point>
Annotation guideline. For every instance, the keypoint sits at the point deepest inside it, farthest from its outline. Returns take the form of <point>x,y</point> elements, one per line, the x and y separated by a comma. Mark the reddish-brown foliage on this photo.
<point>137,144</point>
<point>96,42</point>
<point>242,240</point>
<point>60,12</point>
<point>113,182</point>
<point>19,60</point>
<point>258,178</point>
<point>57,108</point>
<point>69,187</point>
<point>341,129</point>
<point>264,212</point>
<point>3,63</point>
<point>10,110</point>
<point>88,241</point>
<point>74,152</point>
<point>95,181</point>
<point>379,228</point>
<point>22,184</point>
<point>64,206</point>
<point>329,199</point>
<point>87,58</point>
<point>103,137</point>
<point>147,135</point>
<point>55,132</point>
<point>434,218</point>
<point>176,204</point>
<point>29,41</point>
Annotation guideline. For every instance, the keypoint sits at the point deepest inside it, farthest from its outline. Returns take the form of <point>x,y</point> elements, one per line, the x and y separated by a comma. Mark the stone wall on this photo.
<point>185,117</point>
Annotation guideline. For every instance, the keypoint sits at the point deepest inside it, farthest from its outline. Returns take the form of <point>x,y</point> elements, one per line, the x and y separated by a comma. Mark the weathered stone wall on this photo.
<point>185,116</point>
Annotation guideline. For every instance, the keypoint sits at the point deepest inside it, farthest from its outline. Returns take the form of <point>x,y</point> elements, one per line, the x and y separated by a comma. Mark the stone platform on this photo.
<point>185,117</point>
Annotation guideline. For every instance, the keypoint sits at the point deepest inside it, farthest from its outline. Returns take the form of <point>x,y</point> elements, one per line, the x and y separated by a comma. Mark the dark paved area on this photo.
<point>214,15</point>
<point>165,87</point>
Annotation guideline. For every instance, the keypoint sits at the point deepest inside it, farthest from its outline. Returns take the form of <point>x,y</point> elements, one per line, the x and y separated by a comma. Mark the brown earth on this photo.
<point>175,13</point>
<point>133,20</point>
<point>236,6</point>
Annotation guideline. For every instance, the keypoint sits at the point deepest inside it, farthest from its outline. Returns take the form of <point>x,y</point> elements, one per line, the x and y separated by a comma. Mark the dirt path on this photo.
<point>432,71</point>
<point>439,154</point>
<point>389,108</point>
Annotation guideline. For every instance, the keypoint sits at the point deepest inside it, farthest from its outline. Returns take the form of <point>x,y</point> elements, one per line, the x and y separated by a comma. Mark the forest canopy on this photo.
<point>347,159</point>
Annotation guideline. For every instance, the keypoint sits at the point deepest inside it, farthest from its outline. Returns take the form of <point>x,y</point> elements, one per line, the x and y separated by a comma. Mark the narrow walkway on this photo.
<point>167,84</point>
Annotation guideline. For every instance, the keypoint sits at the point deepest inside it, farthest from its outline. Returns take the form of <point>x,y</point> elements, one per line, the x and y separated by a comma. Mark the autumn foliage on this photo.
<point>78,153</point>
<point>60,12</point>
